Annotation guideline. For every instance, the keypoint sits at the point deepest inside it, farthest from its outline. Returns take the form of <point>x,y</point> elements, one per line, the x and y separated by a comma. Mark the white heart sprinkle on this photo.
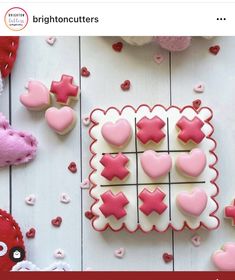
<point>199,88</point>
<point>51,40</point>
<point>119,253</point>
<point>196,240</point>
<point>64,198</point>
<point>85,184</point>
<point>30,200</point>
<point>59,254</point>
<point>86,120</point>
<point>158,58</point>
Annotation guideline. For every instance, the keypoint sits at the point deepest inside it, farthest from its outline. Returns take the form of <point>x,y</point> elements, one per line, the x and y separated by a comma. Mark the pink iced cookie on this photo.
<point>174,43</point>
<point>152,201</point>
<point>192,164</point>
<point>150,129</point>
<point>193,203</point>
<point>114,166</point>
<point>16,147</point>
<point>190,130</point>
<point>113,204</point>
<point>61,120</point>
<point>64,90</point>
<point>224,259</point>
<point>155,165</point>
<point>37,98</point>
<point>118,133</point>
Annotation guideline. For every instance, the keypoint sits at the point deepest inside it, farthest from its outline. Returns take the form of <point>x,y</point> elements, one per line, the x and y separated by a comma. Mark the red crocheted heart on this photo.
<point>10,238</point>
<point>8,50</point>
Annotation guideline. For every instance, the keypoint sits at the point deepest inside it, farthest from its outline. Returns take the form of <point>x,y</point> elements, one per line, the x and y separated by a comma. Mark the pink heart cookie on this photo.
<point>16,147</point>
<point>192,164</point>
<point>154,164</point>
<point>37,98</point>
<point>224,259</point>
<point>61,120</point>
<point>117,133</point>
<point>193,203</point>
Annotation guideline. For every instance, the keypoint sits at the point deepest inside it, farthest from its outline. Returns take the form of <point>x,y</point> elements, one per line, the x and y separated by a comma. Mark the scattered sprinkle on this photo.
<point>125,85</point>
<point>119,253</point>
<point>72,167</point>
<point>31,233</point>
<point>117,47</point>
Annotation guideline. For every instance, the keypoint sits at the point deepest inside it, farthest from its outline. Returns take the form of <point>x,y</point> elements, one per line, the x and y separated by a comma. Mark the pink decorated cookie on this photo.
<point>152,201</point>
<point>37,97</point>
<point>17,147</point>
<point>190,130</point>
<point>65,90</point>
<point>193,203</point>
<point>155,165</point>
<point>114,166</point>
<point>229,212</point>
<point>191,164</point>
<point>150,129</point>
<point>224,259</point>
<point>113,204</point>
<point>118,133</point>
<point>61,120</point>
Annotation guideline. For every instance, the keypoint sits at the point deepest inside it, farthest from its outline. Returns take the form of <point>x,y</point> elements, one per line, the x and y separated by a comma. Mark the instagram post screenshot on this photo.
<point>117,140</point>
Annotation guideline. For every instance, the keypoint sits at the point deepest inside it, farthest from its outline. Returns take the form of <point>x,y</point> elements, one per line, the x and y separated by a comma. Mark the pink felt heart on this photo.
<point>16,147</point>
<point>61,120</point>
<point>37,98</point>
<point>193,163</point>
<point>224,259</point>
<point>193,203</point>
<point>117,133</point>
<point>155,165</point>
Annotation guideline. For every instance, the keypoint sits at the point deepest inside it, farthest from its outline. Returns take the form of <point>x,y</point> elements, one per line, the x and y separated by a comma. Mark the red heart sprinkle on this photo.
<point>126,85</point>
<point>72,167</point>
<point>85,72</point>
<point>117,46</point>
<point>167,257</point>
<point>197,103</point>
<point>31,233</point>
<point>56,222</point>
<point>214,49</point>
<point>89,215</point>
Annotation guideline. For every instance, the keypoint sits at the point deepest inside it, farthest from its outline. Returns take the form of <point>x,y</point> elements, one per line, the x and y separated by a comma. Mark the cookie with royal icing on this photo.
<point>166,184</point>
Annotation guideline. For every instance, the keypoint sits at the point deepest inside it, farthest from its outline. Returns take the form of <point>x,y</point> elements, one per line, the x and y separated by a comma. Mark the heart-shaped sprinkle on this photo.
<point>51,40</point>
<point>85,72</point>
<point>158,58</point>
<point>59,254</point>
<point>196,104</point>
<point>125,85</point>
<point>56,222</point>
<point>64,198</point>
<point>72,167</point>
<point>117,47</point>
<point>167,257</point>
<point>214,49</point>
<point>199,88</point>
<point>31,233</point>
<point>119,253</point>
<point>196,240</point>
<point>89,215</point>
<point>30,200</point>
<point>86,120</point>
<point>85,184</point>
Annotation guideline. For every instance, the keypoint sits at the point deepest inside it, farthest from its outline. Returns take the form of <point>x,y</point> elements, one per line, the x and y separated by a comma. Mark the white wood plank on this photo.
<point>150,84</point>
<point>47,176</point>
<point>4,172</point>
<point>217,72</point>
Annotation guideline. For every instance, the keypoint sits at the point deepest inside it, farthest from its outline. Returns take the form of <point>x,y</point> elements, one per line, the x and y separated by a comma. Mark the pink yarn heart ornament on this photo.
<point>16,147</point>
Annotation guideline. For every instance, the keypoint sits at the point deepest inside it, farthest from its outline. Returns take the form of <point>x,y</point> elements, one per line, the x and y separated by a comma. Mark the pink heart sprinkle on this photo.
<point>30,200</point>
<point>64,198</point>
<point>59,254</point>
<point>158,58</point>
<point>199,88</point>
<point>51,40</point>
<point>86,120</point>
<point>85,184</point>
<point>119,253</point>
<point>196,240</point>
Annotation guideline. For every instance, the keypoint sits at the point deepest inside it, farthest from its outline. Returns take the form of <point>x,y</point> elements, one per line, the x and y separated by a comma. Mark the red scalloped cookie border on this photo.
<point>212,166</point>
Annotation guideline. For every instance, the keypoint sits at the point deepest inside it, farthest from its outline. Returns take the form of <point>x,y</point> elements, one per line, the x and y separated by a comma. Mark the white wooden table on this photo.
<point>47,176</point>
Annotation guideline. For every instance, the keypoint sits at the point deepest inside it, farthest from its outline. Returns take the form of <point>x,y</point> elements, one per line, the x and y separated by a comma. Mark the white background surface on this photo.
<point>47,176</point>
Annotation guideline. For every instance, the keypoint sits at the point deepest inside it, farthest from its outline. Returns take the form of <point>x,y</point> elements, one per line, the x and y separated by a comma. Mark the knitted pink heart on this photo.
<point>155,165</point>
<point>117,133</point>
<point>192,164</point>
<point>193,203</point>
<point>224,259</point>
<point>16,147</point>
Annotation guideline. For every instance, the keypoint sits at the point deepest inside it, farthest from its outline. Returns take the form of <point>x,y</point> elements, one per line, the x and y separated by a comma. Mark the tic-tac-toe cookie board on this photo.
<point>153,168</point>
